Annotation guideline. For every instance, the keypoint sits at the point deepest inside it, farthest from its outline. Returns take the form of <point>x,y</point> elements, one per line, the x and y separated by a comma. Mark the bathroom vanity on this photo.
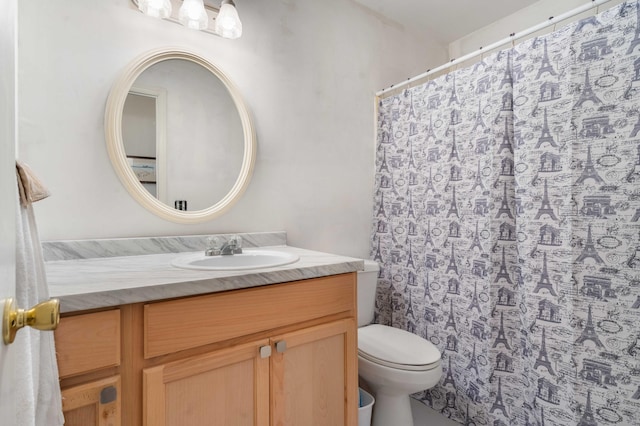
<point>272,346</point>
<point>145,342</point>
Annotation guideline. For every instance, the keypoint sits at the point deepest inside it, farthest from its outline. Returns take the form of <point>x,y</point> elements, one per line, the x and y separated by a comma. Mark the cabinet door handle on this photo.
<point>281,346</point>
<point>265,351</point>
<point>108,395</point>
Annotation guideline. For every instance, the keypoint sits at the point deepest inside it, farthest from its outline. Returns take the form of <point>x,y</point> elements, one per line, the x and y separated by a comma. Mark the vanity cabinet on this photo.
<point>88,346</point>
<point>281,354</point>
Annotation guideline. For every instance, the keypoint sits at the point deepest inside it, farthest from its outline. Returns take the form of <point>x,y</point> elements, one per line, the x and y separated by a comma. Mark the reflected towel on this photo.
<point>38,398</point>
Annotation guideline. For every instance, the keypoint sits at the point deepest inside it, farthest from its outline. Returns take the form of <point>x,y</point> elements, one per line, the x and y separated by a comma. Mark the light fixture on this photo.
<point>193,15</point>
<point>228,23</point>
<point>196,14</point>
<point>155,8</point>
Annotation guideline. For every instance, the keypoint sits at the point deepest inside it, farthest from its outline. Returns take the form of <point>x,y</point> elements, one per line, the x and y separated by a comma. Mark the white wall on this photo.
<point>520,21</point>
<point>308,71</point>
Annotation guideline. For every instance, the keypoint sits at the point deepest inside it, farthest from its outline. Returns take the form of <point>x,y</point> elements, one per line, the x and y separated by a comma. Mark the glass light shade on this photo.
<point>228,23</point>
<point>155,8</point>
<point>193,15</point>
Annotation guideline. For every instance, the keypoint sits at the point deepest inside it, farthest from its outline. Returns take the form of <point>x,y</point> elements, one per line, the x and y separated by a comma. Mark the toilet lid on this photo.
<point>396,348</point>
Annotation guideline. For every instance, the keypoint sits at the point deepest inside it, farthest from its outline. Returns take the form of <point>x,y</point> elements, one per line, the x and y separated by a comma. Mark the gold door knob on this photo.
<point>44,316</point>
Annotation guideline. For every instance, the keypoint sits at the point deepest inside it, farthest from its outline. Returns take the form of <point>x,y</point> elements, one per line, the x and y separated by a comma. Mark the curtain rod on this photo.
<point>512,37</point>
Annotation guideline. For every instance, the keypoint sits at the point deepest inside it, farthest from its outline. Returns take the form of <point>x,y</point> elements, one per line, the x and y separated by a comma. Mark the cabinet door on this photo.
<point>95,403</point>
<point>226,387</point>
<point>314,376</point>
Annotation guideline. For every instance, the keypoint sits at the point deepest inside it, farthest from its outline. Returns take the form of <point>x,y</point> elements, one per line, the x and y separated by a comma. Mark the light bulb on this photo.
<point>228,23</point>
<point>155,8</point>
<point>193,15</point>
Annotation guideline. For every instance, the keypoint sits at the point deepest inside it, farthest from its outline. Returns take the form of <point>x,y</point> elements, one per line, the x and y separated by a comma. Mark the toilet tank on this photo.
<point>367,284</point>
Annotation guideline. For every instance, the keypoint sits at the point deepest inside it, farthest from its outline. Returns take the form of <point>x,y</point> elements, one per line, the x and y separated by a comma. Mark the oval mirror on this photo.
<point>179,136</point>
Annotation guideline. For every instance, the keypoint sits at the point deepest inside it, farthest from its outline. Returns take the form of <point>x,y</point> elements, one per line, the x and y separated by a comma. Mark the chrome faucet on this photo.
<point>230,247</point>
<point>213,247</point>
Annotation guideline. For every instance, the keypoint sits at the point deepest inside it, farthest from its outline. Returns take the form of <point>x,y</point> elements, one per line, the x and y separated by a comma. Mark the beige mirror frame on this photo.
<point>115,145</point>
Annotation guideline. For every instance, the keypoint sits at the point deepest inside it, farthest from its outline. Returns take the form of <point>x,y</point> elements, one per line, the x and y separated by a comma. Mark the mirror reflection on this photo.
<point>182,134</point>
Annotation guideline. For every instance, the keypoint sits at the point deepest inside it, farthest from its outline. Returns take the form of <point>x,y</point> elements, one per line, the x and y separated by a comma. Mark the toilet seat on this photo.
<point>396,348</point>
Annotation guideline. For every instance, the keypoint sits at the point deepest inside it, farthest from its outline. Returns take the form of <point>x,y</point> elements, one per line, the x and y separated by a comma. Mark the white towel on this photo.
<point>38,398</point>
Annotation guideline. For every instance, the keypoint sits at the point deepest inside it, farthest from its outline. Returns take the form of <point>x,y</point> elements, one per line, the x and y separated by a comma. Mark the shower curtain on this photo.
<point>506,223</point>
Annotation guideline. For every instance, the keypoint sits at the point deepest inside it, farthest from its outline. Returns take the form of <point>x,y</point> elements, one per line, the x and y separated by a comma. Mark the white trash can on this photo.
<point>366,408</point>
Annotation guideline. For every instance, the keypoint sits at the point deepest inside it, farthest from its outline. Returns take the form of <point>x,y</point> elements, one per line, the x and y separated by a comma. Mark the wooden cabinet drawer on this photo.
<point>88,342</point>
<point>181,324</point>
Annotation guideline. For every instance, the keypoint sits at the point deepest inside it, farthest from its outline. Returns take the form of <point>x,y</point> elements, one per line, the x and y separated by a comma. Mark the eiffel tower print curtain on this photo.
<point>506,223</point>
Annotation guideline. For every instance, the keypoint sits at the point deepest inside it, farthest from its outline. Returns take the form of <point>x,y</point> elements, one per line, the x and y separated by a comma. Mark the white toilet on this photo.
<point>393,362</point>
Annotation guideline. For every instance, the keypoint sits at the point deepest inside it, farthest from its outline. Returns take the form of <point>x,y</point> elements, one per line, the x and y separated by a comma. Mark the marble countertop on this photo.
<point>97,282</point>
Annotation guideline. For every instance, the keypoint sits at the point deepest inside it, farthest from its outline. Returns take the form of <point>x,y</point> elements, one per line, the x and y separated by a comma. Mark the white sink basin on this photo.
<point>249,259</point>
